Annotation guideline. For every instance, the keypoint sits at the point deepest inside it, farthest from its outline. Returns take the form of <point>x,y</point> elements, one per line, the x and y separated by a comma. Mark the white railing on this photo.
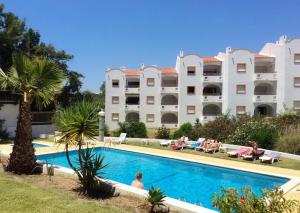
<point>132,90</point>
<point>265,76</point>
<point>130,107</point>
<point>265,98</point>
<point>169,90</point>
<point>211,98</point>
<point>170,125</point>
<point>212,78</point>
<point>206,118</point>
<point>169,108</point>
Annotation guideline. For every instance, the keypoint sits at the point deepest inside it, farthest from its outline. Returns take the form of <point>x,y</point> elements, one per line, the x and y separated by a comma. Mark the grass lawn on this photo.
<point>283,163</point>
<point>36,193</point>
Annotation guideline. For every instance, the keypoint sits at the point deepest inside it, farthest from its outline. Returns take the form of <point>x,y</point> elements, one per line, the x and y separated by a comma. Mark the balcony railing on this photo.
<point>217,78</point>
<point>212,98</point>
<point>132,90</point>
<point>206,118</point>
<point>173,125</point>
<point>169,90</point>
<point>8,97</point>
<point>265,76</point>
<point>42,118</point>
<point>131,107</point>
<point>265,98</point>
<point>169,108</point>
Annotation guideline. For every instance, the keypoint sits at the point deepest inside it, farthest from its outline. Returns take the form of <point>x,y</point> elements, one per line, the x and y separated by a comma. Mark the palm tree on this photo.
<point>36,80</point>
<point>78,123</point>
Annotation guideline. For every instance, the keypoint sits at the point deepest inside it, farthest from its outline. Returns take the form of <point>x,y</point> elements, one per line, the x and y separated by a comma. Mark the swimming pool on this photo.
<point>37,145</point>
<point>193,182</point>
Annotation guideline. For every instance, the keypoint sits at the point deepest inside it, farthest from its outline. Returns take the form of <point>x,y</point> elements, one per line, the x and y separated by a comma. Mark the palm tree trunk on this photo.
<point>69,161</point>
<point>22,159</point>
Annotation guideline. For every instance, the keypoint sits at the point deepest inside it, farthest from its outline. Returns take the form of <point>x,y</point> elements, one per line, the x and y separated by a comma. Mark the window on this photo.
<point>150,118</point>
<point>240,110</point>
<point>115,83</point>
<point>297,58</point>
<point>150,99</point>
<point>115,100</point>
<point>241,67</point>
<point>297,105</point>
<point>150,82</point>
<point>241,89</point>
<point>190,110</point>
<point>191,70</point>
<point>297,82</point>
<point>115,116</point>
<point>191,90</point>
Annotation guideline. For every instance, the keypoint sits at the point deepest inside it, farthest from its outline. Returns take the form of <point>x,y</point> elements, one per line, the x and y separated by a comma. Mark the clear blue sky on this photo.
<point>111,33</point>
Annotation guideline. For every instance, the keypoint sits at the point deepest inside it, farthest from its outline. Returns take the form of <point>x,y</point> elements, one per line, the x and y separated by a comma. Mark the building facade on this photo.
<point>237,81</point>
<point>9,110</point>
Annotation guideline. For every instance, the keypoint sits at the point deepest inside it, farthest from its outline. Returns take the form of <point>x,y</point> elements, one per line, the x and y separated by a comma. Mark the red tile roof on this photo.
<point>168,70</point>
<point>257,55</point>
<point>210,59</point>
<point>132,72</point>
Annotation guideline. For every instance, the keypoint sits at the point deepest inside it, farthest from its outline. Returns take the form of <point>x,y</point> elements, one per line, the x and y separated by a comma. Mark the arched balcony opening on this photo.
<point>132,116</point>
<point>211,110</point>
<point>169,100</point>
<point>212,90</point>
<point>169,118</point>
<point>264,110</point>
<point>264,89</point>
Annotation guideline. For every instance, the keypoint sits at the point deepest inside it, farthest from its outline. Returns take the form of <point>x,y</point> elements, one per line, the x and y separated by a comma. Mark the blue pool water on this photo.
<point>37,145</point>
<point>194,182</point>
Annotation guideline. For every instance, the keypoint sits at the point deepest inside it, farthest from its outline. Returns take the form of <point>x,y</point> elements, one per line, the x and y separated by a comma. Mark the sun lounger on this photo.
<point>165,142</point>
<point>194,144</point>
<point>239,152</point>
<point>178,146</point>
<point>254,155</point>
<point>271,157</point>
<point>121,139</point>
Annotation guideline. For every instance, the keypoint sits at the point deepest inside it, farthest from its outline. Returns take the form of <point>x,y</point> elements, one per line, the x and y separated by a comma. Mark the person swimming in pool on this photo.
<point>137,182</point>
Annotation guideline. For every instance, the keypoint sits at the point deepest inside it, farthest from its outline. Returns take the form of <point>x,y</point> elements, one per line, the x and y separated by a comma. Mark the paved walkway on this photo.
<point>293,193</point>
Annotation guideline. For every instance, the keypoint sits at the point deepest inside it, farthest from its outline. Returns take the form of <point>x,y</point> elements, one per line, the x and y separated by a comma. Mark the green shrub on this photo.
<point>155,198</point>
<point>220,128</point>
<point>289,142</point>
<point>246,201</point>
<point>134,129</point>
<point>261,131</point>
<point>184,129</point>
<point>196,132</point>
<point>162,133</point>
<point>286,121</point>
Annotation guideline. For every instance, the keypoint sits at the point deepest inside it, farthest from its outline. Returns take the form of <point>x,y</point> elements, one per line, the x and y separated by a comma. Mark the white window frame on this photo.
<point>241,91</point>
<point>241,70</point>
<point>150,118</point>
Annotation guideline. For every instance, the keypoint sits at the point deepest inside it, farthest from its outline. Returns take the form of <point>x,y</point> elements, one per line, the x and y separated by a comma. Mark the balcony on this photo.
<point>265,98</point>
<point>169,119</point>
<point>265,76</point>
<point>131,107</point>
<point>42,118</point>
<point>212,98</point>
<point>169,108</point>
<point>6,97</point>
<point>217,78</point>
<point>211,112</point>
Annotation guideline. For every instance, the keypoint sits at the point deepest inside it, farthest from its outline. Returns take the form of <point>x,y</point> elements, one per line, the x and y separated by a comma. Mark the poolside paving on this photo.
<point>294,193</point>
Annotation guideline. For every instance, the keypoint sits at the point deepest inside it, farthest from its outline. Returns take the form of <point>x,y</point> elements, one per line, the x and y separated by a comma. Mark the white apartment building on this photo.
<point>236,81</point>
